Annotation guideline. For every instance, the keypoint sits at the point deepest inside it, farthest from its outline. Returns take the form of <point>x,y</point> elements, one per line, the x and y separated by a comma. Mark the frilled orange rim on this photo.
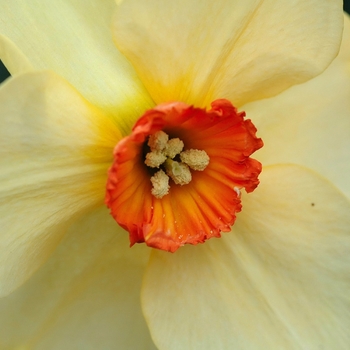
<point>208,204</point>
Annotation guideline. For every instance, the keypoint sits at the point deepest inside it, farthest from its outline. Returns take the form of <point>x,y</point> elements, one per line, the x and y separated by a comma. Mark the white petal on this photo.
<point>309,124</point>
<point>12,57</point>
<point>55,149</point>
<point>73,38</point>
<point>279,280</point>
<point>85,297</point>
<point>197,51</point>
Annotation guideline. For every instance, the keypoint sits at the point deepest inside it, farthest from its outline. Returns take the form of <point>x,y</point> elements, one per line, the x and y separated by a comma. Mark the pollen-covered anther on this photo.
<point>158,141</point>
<point>160,183</point>
<point>163,152</point>
<point>195,159</point>
<point>179,172</point>
<point>173,147</point>
<point>154,159</point>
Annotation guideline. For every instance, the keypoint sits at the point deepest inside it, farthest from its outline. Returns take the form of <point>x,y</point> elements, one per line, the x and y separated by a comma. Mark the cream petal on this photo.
<point>197,51</point>
<point>73,38</point>
<point>279,280</point>
<point>12,57</point>
<point>55,149</point>
<point>87,296</point>
<point>309,124</point>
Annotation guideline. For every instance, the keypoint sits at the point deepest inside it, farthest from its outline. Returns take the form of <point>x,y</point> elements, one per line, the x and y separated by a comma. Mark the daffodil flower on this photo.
<point>279,279</point>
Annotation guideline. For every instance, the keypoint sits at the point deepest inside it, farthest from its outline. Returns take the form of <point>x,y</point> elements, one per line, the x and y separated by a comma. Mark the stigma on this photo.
<point>173,163</point>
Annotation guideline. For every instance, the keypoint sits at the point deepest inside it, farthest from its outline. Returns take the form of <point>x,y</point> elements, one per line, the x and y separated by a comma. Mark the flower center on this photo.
<point>173,145</point>
<point>168,156</point>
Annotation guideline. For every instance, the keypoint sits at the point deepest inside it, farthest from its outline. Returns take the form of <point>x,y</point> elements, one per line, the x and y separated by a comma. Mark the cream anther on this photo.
<point>161,156</point>
<point>160,183</point>
<point>195,159</point>
<point>158,141</point>
<point>173,147</point>
<point>154,159</point>
<point>179,172</point>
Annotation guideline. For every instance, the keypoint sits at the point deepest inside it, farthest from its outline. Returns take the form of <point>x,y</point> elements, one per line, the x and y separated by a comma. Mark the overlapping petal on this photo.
<point>309,124</point>
<point>12,57</point>
<point>199,51</point>
<point>85,297</point>
<point>73,38</point>
<point>55,149</point>
<point>279,280</point>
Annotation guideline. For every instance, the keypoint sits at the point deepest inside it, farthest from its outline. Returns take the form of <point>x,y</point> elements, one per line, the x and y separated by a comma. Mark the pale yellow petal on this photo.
<point>73,38</point>
<point>279,280</point>
<point>55,149</point>
<point>197,51</point>
<point>309,124</point>
<point>12,57</point>
<point>87,296</point>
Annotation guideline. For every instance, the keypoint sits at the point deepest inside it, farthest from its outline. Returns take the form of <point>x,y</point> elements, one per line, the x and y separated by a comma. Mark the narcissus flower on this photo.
<point>169,100</point>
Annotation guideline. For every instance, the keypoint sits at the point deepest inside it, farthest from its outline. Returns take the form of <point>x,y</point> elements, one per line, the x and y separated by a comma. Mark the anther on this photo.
<point>173,147</point>
<point>155,159</point>
<point>160,183</point>
<point>179,172</point>
<point>163,151</point>
<point>158,141</point>
<point>195,159</point>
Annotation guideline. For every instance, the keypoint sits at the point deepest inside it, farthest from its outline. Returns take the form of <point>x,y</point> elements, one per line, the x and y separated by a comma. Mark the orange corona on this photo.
<point>177,178</point>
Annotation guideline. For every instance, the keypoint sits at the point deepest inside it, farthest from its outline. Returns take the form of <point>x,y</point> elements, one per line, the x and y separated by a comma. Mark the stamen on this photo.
<point>179,172</point>
<point>161,156</point>
<point>173,147</point>
<point>158,141</point>
<point>195,159</point>
<point>160,183</point>
<point>155,159</point>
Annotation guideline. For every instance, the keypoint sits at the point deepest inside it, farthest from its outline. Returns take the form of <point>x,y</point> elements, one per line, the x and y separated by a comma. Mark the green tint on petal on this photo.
<point>198,51</point>
<point>74,39</point>
<point>279,280</point>
<point>55,150</point>
<point>309,124</point>
<point>85,297</point>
